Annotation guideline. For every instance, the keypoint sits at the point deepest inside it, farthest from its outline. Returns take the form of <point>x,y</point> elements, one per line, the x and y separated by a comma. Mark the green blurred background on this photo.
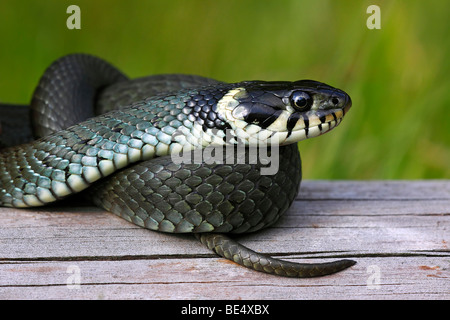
<point>398,76</point>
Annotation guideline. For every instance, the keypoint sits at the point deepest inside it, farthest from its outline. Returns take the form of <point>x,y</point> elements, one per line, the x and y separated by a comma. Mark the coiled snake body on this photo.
<point>95,128</point>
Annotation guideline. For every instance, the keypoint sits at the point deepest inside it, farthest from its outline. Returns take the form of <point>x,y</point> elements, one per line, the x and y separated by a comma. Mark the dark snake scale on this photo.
<point>92,127</point>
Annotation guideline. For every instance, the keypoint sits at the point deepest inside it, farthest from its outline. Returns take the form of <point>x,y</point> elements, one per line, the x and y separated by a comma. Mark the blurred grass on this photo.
<point>398,77</point>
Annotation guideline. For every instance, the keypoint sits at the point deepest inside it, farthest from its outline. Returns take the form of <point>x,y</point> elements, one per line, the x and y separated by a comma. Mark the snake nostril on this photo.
<point>335,101</point>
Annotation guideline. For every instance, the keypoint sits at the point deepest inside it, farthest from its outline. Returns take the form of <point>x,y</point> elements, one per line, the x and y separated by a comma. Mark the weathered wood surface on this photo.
<point>397,231</point>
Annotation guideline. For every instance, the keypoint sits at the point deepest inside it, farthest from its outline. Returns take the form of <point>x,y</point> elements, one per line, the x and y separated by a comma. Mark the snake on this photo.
<point>119,141</point>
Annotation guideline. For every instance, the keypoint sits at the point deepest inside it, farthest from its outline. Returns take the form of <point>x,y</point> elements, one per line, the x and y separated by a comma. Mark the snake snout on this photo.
<point>335,99</point>
<point>348,103</point>
<point>339,99</point>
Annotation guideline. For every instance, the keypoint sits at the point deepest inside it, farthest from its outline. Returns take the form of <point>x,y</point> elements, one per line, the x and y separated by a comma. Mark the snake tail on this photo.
<point>226,247</point>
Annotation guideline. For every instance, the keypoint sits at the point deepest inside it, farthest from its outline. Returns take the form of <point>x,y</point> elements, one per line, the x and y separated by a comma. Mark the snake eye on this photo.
<point>301,100</point>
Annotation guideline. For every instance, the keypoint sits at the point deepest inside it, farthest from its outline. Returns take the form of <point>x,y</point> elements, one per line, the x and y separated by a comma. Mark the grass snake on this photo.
<point>92,127</point>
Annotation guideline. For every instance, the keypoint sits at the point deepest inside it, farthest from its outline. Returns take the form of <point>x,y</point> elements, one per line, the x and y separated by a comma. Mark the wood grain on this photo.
<point>397,231</point>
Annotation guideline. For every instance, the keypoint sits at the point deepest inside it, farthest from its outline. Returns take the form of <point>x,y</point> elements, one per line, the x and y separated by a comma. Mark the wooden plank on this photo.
<point>396,231</point>
<point>194,278</point>
<point>382,190</point>
<point>97,233</point>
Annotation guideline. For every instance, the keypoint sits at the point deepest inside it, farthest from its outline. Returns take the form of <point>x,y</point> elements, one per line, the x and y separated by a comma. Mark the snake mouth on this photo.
<point>314,125</point>
<point>309,125</point>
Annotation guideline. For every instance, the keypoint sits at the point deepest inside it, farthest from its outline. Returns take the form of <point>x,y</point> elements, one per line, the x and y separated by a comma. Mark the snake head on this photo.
<point>285,111</point>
